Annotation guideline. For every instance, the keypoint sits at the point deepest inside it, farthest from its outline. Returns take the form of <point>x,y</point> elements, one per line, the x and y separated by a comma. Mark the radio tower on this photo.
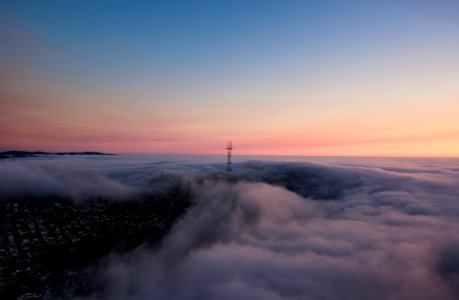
<point>229,147</point>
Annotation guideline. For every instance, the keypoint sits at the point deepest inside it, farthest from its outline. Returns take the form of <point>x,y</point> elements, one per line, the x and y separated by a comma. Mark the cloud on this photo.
<point>68,177</point>
<point>274,230</point>
<point>249,240</point>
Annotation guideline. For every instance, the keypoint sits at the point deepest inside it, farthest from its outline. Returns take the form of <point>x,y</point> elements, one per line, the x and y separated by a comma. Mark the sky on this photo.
<point>363,78</point>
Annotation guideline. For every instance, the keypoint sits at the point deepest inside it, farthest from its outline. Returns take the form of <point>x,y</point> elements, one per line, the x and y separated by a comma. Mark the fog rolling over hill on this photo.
<point>336,229</point>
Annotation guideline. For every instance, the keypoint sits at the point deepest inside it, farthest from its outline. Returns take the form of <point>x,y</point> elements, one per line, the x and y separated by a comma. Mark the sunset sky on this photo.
<point>329,77</point>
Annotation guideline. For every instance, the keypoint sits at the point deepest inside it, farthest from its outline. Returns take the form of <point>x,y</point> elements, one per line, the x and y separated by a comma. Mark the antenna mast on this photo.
<point>229,147</point>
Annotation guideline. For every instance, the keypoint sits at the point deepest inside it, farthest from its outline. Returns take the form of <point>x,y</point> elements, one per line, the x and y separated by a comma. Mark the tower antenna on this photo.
<point>229,147</point>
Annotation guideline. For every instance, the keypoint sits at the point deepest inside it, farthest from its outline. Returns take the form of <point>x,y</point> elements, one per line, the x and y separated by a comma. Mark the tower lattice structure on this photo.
<point>229,148</point>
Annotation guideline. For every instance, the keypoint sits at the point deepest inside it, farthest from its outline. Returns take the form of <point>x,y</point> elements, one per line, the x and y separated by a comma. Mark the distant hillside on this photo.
<point>9,154</point>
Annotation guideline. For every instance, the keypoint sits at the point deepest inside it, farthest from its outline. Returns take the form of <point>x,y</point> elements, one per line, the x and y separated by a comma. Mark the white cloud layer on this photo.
<point>278,230</point>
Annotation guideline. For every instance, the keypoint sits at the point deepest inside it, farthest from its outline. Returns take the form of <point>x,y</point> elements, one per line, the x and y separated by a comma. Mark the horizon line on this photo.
<point>242,154</point>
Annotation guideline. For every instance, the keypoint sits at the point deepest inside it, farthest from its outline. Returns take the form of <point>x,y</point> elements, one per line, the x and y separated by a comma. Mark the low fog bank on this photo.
<point>274,230</point>
<point>130,177</point>
<point>304,231</point>
<point>83,178</point>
